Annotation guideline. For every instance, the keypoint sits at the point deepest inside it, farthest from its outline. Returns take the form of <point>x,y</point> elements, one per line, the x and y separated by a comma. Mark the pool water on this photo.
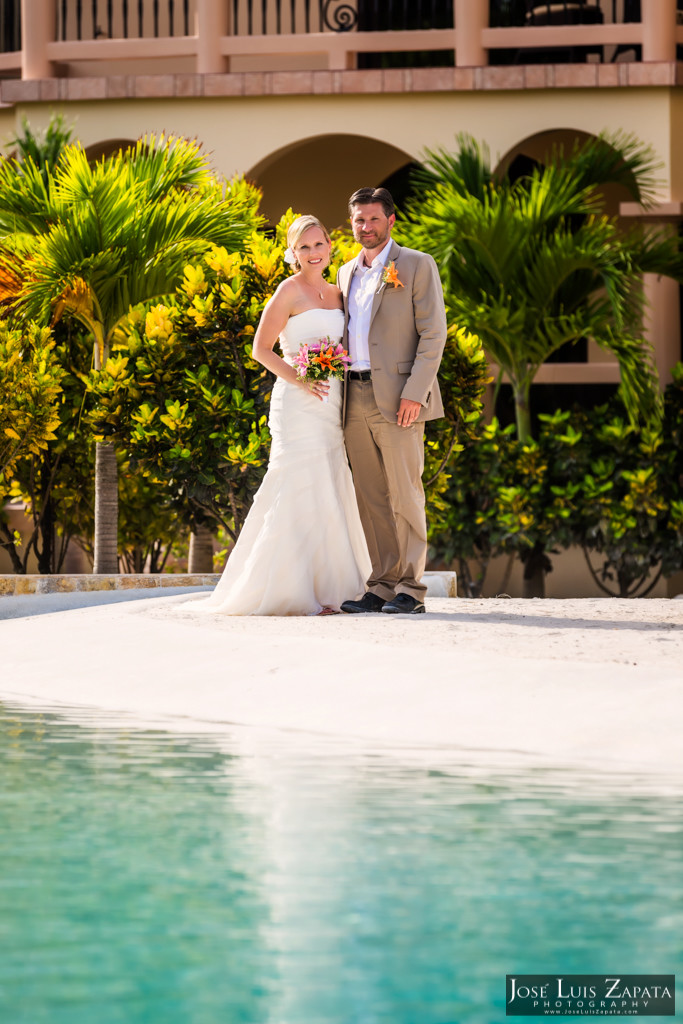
<point>152,877</point>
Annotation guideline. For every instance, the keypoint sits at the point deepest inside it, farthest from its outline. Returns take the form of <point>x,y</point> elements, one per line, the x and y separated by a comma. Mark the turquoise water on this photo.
<point>156,878</point>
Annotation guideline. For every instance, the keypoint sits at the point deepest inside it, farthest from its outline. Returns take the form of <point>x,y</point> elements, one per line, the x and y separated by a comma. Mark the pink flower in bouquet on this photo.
<point>301,361</point>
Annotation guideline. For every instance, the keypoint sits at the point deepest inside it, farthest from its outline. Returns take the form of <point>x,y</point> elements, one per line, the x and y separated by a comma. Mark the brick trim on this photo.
<point>368,82</point>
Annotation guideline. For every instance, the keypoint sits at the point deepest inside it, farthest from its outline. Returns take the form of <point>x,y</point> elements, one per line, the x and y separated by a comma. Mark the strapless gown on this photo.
<point>302,545</point>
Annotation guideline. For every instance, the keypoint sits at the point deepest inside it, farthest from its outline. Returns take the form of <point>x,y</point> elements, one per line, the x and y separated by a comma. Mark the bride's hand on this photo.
<point>318,388</point>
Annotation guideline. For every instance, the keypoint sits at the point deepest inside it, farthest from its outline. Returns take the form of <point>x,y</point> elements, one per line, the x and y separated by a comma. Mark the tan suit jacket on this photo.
<point>407,333</point>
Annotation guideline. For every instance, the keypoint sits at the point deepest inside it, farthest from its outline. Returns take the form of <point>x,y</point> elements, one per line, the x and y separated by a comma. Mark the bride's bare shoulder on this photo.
<point>286,295</point>
<point>290,286</point>
<point>289,290</point>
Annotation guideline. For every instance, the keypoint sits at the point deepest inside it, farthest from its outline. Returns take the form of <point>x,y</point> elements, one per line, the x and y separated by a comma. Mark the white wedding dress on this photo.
<point>302,546</point>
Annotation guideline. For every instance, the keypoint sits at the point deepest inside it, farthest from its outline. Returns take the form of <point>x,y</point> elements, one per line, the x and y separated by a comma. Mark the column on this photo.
<point>659,30</point>
<point>38,25</point>
<point>662,326</point>
<point>212,25</point>
<point>662,315</point>
<point>471,18</point>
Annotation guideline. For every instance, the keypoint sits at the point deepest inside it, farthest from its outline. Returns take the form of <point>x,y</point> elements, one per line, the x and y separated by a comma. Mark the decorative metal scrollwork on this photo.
<point>342,19</point>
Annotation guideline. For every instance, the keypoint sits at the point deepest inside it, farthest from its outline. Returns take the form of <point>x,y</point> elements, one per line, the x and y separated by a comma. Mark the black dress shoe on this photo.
<point>368,603</point>
<point>403,604</point>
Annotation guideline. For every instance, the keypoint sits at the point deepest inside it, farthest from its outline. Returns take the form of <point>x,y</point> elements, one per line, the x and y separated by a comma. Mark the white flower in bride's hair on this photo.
<point>289,256</point>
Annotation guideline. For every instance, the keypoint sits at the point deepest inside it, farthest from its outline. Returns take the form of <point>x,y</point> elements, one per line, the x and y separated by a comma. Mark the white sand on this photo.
<point>592,683</point>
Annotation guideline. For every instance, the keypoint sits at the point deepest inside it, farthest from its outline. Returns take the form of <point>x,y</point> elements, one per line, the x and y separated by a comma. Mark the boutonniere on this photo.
<point>390,277</point>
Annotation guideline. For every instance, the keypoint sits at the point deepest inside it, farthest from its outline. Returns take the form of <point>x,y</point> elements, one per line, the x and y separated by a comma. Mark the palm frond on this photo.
<point>124,227</point>
<point>552,195</point>
<point>166,163</point>
<point>467,171</point>
<point>614,158</point>
<point>27,202</point>
<point>43,148</point>
<point>639,387</point>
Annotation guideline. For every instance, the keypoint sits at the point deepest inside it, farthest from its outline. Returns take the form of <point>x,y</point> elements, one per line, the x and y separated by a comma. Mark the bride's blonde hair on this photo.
<point>299,227</point>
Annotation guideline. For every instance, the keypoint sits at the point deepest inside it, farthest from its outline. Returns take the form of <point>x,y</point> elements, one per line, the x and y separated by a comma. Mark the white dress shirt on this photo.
<point>364,284</point>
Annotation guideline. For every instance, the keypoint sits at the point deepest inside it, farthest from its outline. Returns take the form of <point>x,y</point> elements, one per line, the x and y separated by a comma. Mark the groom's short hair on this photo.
<point>373,195</point>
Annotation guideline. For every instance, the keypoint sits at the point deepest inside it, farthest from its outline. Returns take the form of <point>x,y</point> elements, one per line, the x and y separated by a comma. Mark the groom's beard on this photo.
<point>373,241</point>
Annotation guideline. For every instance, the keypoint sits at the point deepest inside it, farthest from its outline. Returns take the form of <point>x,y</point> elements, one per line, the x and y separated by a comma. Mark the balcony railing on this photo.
<point>126,19</point>
<point>339,34</point>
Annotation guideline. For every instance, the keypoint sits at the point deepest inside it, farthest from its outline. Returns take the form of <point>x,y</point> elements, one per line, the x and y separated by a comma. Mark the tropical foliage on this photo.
<point>467,534</point>
<point>152,272</point>
<point>90,242</point>
<point>42,149</point>
<point>534,264</point>
<point>182,393</point>
<point>463,376</point>
<point>31,386</point>
<point>150,530</point>
<point>590,479</point>
<point>53,482</point>
<point>631,498</point>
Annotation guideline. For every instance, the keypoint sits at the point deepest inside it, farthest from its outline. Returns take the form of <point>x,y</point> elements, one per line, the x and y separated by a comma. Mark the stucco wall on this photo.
<point>243,132</point>
<point>8,126</point>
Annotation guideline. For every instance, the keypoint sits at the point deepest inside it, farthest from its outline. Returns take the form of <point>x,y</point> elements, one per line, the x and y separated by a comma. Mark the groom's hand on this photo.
<point>407,412</point>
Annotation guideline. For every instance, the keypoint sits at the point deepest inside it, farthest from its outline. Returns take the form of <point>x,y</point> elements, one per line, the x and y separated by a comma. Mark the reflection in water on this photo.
<point>150,877</point>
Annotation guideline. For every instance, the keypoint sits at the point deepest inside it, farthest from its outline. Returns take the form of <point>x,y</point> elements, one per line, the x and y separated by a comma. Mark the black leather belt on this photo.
<point>360,375</point>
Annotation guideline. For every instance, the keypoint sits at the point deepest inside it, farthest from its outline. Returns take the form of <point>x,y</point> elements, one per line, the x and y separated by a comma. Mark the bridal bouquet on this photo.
<point>321,360</point>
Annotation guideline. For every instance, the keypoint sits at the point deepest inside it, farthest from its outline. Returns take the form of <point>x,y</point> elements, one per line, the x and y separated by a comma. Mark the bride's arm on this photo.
<point>272,322</point>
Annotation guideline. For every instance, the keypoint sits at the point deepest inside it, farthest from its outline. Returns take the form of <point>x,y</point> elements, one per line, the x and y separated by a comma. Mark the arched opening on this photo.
<point>317,175</point>
<point>536,149</point>
<point>101,150</point>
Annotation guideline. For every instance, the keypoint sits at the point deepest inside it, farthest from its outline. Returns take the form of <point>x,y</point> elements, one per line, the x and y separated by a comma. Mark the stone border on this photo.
<point>368,81</point>
<point>439,584</point>
<point>11,585</point>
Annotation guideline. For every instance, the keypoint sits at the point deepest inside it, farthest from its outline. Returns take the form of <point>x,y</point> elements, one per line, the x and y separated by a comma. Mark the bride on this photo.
<point>301,550</point>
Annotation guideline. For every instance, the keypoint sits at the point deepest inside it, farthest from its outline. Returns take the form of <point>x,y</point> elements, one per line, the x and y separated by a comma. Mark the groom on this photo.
<point>395,334</point>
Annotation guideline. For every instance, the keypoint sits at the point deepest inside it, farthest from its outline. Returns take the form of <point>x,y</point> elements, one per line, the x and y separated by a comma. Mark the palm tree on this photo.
<point>534,264</point>
<point>93,241</point>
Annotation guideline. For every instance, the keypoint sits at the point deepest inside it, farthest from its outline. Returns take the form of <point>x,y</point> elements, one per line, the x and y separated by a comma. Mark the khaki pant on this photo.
<point>387,463</point>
